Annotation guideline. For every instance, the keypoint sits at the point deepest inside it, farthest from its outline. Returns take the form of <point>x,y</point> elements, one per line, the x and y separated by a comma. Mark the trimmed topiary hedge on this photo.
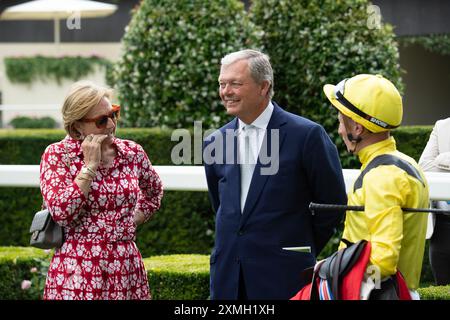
<point>411,140</point>
<point>435,293</point>
<point>180,277</point>
<point>314,42</point>
<point>171,277</point>
<point>25,146</point>
<point>33,122</point>
<point>172,50</point>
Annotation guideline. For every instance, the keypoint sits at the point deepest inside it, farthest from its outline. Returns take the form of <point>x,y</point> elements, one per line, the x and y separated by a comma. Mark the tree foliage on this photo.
<point>314,42</point>
<point>168,73</point>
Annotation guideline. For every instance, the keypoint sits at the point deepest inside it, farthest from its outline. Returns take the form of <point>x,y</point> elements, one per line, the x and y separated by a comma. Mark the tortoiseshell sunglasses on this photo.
<point>102,121</point>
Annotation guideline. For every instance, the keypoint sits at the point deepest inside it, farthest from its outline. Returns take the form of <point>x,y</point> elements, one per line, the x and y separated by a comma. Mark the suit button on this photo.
<point>240,232</point>
<point>238,260</point>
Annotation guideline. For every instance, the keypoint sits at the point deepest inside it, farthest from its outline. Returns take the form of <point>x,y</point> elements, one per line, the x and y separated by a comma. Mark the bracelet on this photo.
<point>89,171</point>
<point>82,178</point>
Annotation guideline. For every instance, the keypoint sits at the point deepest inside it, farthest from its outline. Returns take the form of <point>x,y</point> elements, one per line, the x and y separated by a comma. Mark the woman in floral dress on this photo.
<point>99,188</point>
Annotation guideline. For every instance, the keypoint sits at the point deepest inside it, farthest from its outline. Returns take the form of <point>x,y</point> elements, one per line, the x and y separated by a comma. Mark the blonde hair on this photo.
<point>82,97</point>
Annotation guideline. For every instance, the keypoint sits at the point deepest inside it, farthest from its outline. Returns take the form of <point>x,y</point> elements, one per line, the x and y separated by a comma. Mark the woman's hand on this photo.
<point>92,150</point>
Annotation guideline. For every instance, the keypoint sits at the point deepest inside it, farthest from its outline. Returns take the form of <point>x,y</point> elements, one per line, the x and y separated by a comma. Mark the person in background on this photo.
<point>436,158</point>
<point>99,188</point>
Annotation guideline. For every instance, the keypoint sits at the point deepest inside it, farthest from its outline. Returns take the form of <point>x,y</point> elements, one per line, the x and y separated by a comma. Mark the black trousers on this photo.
<point>440,250</point>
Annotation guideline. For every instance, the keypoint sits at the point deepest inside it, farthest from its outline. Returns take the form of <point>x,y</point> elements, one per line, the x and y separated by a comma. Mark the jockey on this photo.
<point>369,106</point>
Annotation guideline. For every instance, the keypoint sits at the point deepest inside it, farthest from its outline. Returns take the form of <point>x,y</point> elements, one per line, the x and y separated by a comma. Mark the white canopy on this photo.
<point>56,10</point>
<point>60,9</point>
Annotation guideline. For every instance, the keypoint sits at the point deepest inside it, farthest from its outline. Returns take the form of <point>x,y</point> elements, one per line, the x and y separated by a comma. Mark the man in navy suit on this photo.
<point>263,169</point>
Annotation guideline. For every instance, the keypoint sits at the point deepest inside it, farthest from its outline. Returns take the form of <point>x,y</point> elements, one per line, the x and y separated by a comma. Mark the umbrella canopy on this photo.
<point>56,10</point>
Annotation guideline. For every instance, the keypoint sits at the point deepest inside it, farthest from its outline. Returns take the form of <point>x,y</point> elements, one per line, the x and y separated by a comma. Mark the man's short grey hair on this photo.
<point>259,65</point>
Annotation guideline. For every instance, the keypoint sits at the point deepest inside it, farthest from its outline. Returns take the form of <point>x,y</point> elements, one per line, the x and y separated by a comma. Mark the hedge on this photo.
<point>185,222</point>
<point>435,293</point>
<point>33,122</point>
<point>314,42</point>
<point>29,69</point>
<point>171,277</point>
<point>180,277</point>
<point>167,75</point>
<point>25,146</point>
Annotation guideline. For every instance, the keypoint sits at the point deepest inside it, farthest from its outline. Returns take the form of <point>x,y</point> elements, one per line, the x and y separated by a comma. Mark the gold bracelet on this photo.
<point>91,171</point>
<point>88,171</point>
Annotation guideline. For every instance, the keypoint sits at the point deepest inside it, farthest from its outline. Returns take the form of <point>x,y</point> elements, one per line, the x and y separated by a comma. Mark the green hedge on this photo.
<point>314,42</point>
<point>25,146</point>
<point>171,277</point>
<point>435,293</point>
<point>168,72</point>
<point>33,122</point>
<point>28,69</point>
<point>185,222</point>
<point>179,277</point>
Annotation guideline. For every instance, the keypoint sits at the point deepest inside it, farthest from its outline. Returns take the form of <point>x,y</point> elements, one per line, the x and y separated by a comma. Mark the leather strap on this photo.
<point>335,273</point>
<point>385,160</point>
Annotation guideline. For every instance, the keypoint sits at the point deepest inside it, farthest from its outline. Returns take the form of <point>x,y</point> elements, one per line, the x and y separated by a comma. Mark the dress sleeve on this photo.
<point>150,185</point>
<point>62,196</point>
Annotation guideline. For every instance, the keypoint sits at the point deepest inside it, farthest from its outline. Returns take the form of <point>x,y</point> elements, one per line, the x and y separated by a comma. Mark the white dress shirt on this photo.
<point>250,138</point>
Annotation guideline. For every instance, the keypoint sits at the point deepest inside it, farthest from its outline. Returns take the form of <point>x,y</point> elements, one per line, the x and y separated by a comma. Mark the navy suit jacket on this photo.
<point>276,213</point>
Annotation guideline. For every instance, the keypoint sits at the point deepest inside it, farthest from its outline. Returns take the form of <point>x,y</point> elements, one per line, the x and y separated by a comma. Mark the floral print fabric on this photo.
<point>99,259</point>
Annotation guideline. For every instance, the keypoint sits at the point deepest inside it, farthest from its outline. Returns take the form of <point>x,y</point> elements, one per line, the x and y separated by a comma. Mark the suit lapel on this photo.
<point>258,182</point>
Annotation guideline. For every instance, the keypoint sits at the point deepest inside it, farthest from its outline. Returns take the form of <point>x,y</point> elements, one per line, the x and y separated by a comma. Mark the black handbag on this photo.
<point>45,233</point>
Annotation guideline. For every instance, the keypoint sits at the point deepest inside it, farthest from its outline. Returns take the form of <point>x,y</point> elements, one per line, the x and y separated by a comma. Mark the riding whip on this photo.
<point>339,207</point>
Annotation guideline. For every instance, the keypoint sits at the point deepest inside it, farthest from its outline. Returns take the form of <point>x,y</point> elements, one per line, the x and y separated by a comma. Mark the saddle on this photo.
<point>336,266</point>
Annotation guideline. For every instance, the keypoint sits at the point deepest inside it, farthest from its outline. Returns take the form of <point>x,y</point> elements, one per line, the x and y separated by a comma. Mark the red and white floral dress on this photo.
<point>99,258</point>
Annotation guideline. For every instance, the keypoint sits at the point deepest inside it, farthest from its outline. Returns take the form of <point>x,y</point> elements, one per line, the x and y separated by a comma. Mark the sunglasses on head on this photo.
<point>102,121</point>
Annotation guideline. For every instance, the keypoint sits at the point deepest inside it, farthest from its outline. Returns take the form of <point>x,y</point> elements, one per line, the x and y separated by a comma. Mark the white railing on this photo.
<point>10,111</point>
<point>192,178</point>
<point>30,107</point>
